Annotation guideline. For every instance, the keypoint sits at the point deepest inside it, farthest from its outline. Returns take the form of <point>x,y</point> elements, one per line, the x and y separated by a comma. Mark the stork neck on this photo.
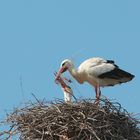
<point>74,72</point>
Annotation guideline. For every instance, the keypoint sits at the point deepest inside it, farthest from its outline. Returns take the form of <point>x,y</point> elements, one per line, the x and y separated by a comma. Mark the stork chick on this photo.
<point>68,93</point>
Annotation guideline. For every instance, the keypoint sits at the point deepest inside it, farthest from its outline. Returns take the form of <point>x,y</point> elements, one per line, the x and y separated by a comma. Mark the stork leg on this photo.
<point>98,94</point>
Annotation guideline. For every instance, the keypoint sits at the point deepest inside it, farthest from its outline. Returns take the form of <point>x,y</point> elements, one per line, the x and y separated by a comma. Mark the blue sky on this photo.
<point>35,36</point>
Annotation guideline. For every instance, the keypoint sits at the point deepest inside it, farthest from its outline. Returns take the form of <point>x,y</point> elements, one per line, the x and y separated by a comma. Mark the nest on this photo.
<point>81,120</point>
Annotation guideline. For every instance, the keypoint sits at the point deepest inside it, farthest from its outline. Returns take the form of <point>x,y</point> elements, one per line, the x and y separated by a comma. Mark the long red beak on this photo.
<point>61,70</point>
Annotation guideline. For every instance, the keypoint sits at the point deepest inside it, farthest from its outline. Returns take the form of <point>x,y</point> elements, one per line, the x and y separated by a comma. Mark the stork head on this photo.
<point>65,65</point>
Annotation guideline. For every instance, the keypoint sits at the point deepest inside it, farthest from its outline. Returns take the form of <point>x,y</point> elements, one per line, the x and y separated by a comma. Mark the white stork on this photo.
<point>68,93</point>
<point>96,71</point>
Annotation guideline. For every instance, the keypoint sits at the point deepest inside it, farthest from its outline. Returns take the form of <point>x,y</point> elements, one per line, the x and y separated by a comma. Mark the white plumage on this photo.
<point>94,67</point>
<point>96,71</point>
<point>67,91</point>
<point>67,94</point>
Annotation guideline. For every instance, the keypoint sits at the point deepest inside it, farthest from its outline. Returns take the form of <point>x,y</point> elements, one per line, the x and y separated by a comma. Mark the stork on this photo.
<point>97,71</point>
<point>68,93</point>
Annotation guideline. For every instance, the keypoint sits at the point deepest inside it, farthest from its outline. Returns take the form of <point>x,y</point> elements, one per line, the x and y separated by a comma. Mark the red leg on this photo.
<point>98,94</point>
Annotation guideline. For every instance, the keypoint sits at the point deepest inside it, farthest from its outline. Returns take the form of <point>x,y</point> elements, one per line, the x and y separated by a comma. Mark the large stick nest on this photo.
<point>81,120</point>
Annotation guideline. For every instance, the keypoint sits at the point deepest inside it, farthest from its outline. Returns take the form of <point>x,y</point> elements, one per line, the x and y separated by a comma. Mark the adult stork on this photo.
<point>96,71</point>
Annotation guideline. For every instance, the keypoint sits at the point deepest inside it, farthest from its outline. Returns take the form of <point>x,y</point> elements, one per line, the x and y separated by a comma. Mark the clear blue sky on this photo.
<point>36,35</point>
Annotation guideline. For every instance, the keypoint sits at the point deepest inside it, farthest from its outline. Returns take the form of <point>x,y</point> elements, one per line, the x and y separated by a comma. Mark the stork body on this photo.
<point>98,72</point>
<point>67,91</point>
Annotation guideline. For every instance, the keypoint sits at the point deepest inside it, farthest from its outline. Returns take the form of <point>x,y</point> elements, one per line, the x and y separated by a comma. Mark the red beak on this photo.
<point>61,70</point>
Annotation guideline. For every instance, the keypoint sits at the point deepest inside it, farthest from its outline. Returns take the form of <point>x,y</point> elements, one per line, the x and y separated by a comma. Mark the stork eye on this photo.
<point>63,64</point>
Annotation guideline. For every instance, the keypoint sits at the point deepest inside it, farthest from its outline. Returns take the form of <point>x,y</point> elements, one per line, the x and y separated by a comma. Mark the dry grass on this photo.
<point>81,120</point>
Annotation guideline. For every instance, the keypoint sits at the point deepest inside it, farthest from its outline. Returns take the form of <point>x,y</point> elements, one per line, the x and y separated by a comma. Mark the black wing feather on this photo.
<point>116,74</point>
<point>112,62</point>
